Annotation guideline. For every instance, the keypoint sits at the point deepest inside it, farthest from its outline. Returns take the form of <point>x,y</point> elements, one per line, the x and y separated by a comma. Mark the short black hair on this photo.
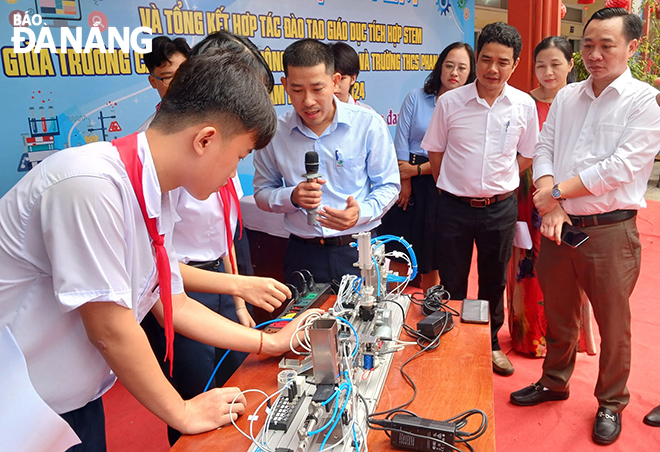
<point>562,44</point>
<point>218,88</point>
<point>433,83</point>
<point>501,33</point>
<point>239,46</point>
<point>632,24</point>
<point>162,49</point>
<point>308,53</point>
<point>346,58</point>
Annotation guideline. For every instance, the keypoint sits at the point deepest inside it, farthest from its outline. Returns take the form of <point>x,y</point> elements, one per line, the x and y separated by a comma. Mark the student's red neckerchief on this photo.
<point>227,194</point>
<point>127,148</point>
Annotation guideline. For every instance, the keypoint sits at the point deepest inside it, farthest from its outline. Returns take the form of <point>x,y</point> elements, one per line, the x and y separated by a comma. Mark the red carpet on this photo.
<point>551,427</point>
<point>566,425</point>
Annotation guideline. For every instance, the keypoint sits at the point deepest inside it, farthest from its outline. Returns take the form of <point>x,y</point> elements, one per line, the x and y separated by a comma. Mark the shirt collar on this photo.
<point>619,84</point>
<point>341,117</point>
<point>471,93</point>
<point>150,184</point>
<point>427,95</point>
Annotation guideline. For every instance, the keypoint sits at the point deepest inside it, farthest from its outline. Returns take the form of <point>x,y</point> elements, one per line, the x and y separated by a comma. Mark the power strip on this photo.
<point>313,299</point>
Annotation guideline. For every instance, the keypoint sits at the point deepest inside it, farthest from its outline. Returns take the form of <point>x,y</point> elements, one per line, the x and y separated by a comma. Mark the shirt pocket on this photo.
<point>509,137</point>
<point>607,139</point>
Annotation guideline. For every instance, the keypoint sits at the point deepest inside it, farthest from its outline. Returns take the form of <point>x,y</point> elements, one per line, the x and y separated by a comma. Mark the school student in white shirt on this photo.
<point>593,160</point>
<point>78,264</point>
<point>480,137</point>
<point>203,239</point>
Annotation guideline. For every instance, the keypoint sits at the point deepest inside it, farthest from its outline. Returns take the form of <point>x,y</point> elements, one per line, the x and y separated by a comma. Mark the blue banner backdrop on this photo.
<point>63,99</point>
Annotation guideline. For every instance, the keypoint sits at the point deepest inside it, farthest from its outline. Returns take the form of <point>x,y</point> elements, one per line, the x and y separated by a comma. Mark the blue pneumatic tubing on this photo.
<point>215,371</point>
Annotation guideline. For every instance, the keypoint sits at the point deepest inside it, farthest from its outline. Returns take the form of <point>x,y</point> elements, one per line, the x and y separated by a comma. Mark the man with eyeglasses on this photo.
<point>163,61</point>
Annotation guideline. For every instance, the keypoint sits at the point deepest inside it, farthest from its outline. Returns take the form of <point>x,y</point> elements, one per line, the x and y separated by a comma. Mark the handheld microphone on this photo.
<point>312,168</point>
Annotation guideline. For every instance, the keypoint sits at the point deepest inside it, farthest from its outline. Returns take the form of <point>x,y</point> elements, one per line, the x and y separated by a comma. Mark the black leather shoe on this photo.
<point>653,418</point>
<point>607,426</point>
<point>535,394</point>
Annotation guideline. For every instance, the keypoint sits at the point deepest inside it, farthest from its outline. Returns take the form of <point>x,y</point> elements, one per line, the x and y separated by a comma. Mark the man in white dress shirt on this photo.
<point>591,166</point>
<point>78,263</point>
<point>480,137</point>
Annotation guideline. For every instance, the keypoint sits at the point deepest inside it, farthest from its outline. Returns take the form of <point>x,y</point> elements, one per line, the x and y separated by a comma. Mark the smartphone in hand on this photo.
<point>572,236</point>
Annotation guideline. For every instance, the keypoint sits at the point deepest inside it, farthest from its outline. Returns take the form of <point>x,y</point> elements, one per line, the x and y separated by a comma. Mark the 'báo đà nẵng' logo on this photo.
<point>25,40</point>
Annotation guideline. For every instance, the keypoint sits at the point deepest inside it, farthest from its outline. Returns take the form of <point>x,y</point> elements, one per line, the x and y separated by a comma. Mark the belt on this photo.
<point>205,265</point>
<point>616,216</point>
<point>341,240</point>
<point>415,159</point>
<point>480,202</point>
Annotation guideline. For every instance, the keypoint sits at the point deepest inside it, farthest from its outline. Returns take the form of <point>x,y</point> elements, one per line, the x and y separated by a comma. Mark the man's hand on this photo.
<point>544,201</point>
<point>552,223</point>
<point>404,194</point>
<point>265,293</point>
<point>406,170</point>
<point>308,194</point>
<point>340,220</point>
<point>210,410</point>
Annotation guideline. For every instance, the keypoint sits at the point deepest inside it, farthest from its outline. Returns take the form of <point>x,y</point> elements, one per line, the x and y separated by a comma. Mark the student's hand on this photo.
<point>278,343</point>
<point>210,410</point>
<point>264,293</point>
<point>243,315</point>
<point>552,223</point>
<point>308,194</point>
<point>404,194</point>
<point>340,220</point>
<point>544,201</point>
<point>406,170</point>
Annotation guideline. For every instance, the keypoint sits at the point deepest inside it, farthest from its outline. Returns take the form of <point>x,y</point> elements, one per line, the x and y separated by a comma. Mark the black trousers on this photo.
<point>327,264</point>
<point>492,229</point>
<point>89,424</point>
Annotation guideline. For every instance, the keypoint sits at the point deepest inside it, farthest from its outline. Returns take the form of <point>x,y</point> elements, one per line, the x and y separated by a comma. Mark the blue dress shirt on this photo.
<point>356,158</point>
<point>414,119</point>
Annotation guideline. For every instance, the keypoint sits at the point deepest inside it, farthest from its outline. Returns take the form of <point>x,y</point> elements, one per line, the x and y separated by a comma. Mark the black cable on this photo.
<point>436,299</point>
<point>459,422</point>
<point>301,279</point>
<point>416,298</point>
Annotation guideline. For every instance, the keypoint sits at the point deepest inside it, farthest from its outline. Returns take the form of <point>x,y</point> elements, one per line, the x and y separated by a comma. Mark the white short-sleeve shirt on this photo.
<point>481,142</point>
<point>200,234</point>
<point>71,232</point>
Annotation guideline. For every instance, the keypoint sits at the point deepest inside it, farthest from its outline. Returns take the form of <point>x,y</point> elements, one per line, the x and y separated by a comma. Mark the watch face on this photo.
<point>556,193</point>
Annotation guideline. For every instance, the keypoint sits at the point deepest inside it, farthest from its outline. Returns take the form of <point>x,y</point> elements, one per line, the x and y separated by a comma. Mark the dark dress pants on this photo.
<point>460,226</point>
<point>89,424</point>
<point>326,263</point>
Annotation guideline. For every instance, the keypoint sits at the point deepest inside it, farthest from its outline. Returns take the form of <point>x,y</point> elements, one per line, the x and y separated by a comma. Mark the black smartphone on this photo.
<point>475,311</point>
<point>572,236</point>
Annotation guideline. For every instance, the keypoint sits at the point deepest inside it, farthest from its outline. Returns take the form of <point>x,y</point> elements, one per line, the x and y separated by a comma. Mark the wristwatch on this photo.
<point>556,193</point>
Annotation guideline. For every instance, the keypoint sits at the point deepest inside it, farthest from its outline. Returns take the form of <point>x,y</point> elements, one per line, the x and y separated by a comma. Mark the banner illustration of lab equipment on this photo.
<point>40,143</point>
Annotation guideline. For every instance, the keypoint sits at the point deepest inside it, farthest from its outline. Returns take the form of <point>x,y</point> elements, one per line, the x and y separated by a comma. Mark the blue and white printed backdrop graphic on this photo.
<point>59,99</point>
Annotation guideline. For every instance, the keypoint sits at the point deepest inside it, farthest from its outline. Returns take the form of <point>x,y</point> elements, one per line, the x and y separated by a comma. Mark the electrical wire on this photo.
<point>217,367</point>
